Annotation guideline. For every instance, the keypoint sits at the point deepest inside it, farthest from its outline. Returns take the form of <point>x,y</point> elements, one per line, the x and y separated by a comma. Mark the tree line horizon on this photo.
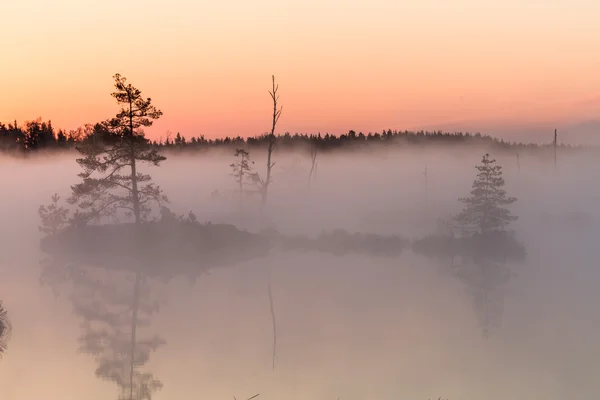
<point>38,135</point>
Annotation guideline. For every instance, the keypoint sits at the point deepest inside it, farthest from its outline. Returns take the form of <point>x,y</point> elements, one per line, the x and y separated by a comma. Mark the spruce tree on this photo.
<point>484,209</point>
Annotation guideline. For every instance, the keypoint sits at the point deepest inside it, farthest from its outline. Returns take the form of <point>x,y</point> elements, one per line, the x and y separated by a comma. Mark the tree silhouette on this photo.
<point>484,208</point>
<point>15,139</point>
<point>242,172</point>
<point>263,184</point>
<point>54,217</point>
<point>5,328</point>
<point>132,192</point>
<point>120,187</point>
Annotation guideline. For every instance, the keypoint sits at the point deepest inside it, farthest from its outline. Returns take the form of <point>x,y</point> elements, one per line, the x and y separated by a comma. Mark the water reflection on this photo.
<point>114,308</point>
<point>485,282</point>
<point>350,327</point>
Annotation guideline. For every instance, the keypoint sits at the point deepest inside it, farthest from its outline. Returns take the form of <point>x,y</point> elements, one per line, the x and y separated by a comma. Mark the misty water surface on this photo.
<point>353,327</point>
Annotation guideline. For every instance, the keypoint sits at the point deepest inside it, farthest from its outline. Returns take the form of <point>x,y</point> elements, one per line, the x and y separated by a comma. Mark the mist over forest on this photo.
<point>362,266</point>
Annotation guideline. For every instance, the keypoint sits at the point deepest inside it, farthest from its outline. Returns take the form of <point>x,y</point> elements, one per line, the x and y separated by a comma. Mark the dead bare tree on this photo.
<point>263,189</point>
<point>263,184</point>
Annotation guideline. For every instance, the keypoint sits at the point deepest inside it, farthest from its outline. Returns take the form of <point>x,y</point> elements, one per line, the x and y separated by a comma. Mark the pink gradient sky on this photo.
<point>498,66</point>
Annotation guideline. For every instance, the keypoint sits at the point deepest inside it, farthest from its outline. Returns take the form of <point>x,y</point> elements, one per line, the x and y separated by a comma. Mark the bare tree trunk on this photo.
<point>270,164</point>
<point>267,182</point>
<point>264,186</point>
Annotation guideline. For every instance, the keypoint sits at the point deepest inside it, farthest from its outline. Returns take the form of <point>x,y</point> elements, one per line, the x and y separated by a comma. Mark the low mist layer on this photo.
<point>352,326</point>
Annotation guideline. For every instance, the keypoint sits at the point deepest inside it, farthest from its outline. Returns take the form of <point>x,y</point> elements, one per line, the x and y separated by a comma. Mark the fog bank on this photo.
<point>348,326</point>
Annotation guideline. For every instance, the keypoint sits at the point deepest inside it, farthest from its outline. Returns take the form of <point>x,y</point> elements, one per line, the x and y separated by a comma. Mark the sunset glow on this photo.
<point>492,66</point>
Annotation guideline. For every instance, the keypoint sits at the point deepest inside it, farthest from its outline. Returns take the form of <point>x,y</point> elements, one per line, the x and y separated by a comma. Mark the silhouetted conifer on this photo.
<point>112,190</point>
<point>484,208</point>
<point>242,172</point>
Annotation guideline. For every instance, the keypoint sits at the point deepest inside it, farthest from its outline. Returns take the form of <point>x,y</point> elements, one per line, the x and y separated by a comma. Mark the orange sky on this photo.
<point>341,64</point>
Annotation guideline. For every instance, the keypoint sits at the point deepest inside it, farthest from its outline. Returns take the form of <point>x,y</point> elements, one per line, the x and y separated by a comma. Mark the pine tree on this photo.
<point>54,217</point>
<point>4,328</point>
<point>113,191</point>
<point>241,171</point>
<point>484,208</point>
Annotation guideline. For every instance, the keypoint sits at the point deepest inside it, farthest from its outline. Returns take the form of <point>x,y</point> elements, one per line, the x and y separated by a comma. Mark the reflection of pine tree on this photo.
<point>485,282</point>
<point>105,307</point>
<point>103,299</point>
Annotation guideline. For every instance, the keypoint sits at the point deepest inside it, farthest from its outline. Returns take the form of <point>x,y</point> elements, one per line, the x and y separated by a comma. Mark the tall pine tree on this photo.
<point>120,186</point>
<point>484,209</point>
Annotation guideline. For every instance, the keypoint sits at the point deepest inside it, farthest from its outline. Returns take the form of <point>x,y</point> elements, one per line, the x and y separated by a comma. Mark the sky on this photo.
<point>514,68</point>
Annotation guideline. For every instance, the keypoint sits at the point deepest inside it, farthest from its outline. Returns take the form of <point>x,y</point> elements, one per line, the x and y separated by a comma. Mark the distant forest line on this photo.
<point>35,136</point>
